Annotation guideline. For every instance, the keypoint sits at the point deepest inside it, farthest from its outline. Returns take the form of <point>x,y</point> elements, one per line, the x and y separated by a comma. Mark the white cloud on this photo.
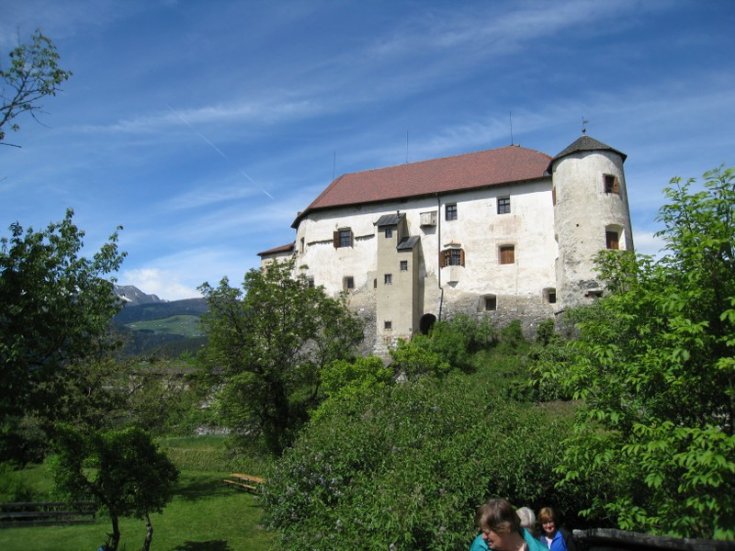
<point>153,281</point>
<point>648,243</point>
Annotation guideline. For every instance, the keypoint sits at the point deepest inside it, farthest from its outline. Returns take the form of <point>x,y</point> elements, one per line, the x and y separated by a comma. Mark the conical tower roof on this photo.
<point>585,143</point>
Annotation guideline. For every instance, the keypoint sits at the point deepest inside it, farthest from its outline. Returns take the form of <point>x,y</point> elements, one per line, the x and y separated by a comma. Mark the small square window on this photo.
<point>348,282</point>
<point>404,265</point>
<point>388,279</point>
<point>387,325</point>
<point>388,233</point>
<point>491,302</point>
<point>503,205</point>
<point>507,254</point>
<point>550,296</point>
<point>450,211</point>
<point>611,184</point>
<point>343,238</point>
<point>310,282</point>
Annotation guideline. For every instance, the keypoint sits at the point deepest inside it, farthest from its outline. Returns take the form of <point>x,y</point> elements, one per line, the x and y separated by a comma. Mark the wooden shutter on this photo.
<point>335,239</point>
<point>461,257</point>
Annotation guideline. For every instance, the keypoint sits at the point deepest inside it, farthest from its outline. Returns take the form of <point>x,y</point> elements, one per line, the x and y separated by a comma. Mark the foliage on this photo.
<point>344,381</point>
<point>654,366</point>
<point>33,74</point>
<point>449,346</point>
<point>163,397</point>
<point>121,470</point>
<point>54,322</point>
<point>268,345</point>
<point>406,466</point>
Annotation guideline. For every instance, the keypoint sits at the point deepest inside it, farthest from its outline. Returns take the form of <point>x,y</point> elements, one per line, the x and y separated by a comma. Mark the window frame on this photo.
<point>387,279</point>
<point>611,184</point>
<point>452,256</point>
<point>504,251</point>
<point>342,238</point>
<point>503,206</point>
<point>348,283</point>
<point>404,265</point>
<point>451,212</point>
<point>612,240</point>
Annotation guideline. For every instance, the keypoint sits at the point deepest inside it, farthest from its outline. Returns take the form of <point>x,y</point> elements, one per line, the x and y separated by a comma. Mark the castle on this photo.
<point>509,233</point>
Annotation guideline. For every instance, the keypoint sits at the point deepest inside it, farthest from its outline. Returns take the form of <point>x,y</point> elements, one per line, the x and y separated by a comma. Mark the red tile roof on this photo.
<point>280,249</point>
<point>505,165</point>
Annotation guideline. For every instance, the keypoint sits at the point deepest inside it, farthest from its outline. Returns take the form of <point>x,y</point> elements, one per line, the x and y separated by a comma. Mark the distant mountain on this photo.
<point>131,295</point>
<point>151,326</point>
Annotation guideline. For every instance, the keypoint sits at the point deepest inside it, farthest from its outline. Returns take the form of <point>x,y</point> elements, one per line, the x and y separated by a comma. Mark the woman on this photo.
<point>552,536</point>
<point>501,529</point>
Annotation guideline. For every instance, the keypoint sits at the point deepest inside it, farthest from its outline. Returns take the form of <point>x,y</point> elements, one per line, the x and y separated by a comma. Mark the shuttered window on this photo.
<point>451,257</point>
<point>507,254</point>
<point>342,238</point>
<point>612,185</point>
<point>612,240</point>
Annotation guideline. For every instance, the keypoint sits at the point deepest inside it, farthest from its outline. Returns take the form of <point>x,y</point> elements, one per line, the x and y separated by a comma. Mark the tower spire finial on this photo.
<point>584,125</point>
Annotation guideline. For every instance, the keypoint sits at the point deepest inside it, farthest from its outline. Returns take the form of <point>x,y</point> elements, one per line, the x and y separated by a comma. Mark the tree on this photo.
<point>33,74</point>
<point>267,346</point>
<point>54,321</point>
<point>655,367</point>
<point>120,470</point>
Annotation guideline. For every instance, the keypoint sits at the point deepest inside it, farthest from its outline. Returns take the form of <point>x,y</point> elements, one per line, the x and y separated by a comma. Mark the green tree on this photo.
<point>268,344</point>
<point>654,365</point>
<point>404,466</point>
<point>33,74</point>
<point>54,323</point>
<point>121,470</point>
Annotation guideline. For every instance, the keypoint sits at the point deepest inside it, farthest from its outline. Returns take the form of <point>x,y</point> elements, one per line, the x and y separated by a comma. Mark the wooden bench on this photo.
<point>247,482</point>
<point>28,513</point>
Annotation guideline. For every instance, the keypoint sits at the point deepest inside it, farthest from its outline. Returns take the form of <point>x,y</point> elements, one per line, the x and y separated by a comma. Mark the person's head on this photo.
<point>547,518</point>
<point>528,518</point>
<point>500,524</point>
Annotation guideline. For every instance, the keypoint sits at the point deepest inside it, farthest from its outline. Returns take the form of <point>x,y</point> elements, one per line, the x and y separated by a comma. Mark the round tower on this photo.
<point>590,214</point>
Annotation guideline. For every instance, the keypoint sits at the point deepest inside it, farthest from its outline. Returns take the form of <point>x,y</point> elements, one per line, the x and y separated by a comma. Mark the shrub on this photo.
<point>407,466</point>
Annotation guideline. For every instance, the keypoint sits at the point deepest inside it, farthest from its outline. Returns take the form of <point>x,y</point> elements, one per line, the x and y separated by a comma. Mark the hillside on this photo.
<point>149,326</point>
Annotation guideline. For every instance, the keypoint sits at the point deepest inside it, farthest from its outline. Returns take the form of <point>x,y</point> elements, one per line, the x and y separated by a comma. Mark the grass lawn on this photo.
<point>185,325</point>
<point>205,515</point>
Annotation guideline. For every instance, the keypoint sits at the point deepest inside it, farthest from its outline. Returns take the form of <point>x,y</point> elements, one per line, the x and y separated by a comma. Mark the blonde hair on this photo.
<point>546,514</point>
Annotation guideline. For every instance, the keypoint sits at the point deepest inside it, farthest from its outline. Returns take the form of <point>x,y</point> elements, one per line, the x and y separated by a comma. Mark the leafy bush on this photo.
<point>406,467</point>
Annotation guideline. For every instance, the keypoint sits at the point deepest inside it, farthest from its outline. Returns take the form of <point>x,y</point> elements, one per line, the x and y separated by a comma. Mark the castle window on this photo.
<point>611,183</point>
<point>507,254</point>
<point>450,211</point>
<point>550,295</point>
<point>348,282</point>
<point>388,233</point>
<point>503,205</point>
<point>404,265</point>
<point>388,279</point>
<point>388,325</point>
<point>612,239</point>
<point>491,302</point>
<point>302,245</point>
<point>451,257</point>
<point>553,196</point>
<point>310,282</point>
<point>342,238</point>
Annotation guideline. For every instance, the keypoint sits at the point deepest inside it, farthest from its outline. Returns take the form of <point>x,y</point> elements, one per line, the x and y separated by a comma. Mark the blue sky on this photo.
<point>203,126</point>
